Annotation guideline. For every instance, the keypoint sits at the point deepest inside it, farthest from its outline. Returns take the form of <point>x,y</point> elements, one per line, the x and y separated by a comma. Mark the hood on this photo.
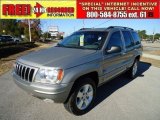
<point>58,57</point>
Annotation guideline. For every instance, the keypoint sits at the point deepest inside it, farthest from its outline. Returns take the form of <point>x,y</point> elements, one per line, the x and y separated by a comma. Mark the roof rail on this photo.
<point>120,27</point>
<point>85,28</point>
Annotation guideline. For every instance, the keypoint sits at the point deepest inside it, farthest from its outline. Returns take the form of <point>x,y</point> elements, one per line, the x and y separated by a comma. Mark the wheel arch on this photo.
<point>138,57</point>
<point>93,75</point>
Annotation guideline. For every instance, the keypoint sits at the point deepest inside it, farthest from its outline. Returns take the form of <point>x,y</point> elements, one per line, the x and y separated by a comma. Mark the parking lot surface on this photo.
<point>119,99</point>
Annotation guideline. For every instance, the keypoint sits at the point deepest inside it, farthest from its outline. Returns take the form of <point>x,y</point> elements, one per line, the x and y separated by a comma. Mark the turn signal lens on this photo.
<point>60,74</point>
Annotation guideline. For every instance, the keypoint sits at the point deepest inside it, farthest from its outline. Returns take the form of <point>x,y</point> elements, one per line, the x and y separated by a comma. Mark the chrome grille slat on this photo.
<point>26,75</point>
<point>29,74</point>
<point>21,71</point>
<point>18,69</point>
<point>25,72</point>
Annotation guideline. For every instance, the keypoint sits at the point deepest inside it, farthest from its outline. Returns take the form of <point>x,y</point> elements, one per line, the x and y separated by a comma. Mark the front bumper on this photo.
<point>58,93</point>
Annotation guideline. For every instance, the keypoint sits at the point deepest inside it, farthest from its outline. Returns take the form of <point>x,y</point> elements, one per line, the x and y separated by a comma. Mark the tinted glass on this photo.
<point>115,40</point>
<point>136,38</point>
<point>127,39</point>
<point>84,40</point>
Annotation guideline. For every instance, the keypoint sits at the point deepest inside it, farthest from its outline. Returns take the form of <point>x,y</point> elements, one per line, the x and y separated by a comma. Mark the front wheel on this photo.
<point>82,97</point>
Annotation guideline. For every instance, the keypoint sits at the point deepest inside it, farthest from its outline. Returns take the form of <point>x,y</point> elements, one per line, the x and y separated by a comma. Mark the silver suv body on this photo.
<point>79,64</point>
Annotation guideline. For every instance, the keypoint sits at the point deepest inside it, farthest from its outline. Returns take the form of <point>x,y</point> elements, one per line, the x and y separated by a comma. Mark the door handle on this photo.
<point>123,53</point>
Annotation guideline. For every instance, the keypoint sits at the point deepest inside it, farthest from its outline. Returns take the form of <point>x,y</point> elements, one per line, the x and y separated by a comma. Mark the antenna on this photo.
<point>83,23</point>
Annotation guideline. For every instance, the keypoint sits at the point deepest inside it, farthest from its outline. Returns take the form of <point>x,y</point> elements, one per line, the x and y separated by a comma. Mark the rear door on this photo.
<point>137,40</point>
<point>129,48</point>
<point>113,63</point>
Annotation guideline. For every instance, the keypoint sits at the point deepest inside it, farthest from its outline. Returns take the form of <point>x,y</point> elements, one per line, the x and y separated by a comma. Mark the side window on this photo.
<point>115,40</point>
<point>136,38</point>
<point>127,39</point>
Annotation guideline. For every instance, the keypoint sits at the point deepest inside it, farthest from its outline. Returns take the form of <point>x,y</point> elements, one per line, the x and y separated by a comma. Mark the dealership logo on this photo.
<point>53,11</point>
<point>38,10</point>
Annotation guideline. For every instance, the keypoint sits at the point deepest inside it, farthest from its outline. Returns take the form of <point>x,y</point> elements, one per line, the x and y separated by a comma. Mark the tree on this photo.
<point>157,36</point>
<point>46,35</point>
<point>142,34</point>
<point>10,27</point>
<point>35,29</point>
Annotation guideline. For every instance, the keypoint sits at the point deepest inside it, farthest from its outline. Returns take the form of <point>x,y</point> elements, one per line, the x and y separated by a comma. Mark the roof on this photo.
<point>93,29</point>
<point>105,29</point>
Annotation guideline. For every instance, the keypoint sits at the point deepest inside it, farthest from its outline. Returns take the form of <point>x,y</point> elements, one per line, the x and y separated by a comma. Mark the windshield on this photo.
<point>84,40</point>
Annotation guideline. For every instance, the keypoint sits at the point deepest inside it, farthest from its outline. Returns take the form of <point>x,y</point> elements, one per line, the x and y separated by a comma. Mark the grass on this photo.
<point>155,52</point>
<point>13,44</point>
<point>13,49</point>
<point>154,62</point>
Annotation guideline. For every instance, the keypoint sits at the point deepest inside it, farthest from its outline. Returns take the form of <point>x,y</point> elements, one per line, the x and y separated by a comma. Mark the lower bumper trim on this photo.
<point>58,93</point>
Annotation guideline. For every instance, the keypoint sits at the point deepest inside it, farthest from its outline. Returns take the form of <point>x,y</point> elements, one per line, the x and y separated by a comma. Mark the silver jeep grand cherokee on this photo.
<point>71,72</point>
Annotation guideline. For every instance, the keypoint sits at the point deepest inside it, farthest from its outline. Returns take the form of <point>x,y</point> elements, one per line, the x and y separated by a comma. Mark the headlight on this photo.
<point>51,76</point>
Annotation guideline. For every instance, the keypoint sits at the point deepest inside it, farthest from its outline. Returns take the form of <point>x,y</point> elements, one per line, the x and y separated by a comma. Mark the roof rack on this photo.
<point>85,28</point>
<point>119,27</point>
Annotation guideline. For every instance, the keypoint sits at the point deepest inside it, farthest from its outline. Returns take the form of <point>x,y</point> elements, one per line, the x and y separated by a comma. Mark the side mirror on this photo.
<point>113,49</point>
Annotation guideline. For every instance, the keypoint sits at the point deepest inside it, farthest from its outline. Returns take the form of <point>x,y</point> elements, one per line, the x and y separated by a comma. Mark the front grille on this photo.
<point>25,72</point>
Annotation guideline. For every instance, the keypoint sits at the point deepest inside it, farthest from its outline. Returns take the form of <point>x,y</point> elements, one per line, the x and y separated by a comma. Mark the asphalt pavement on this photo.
<point>119,99</point>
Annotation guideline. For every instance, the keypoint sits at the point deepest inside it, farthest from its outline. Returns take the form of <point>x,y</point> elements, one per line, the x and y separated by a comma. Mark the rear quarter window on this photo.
<point>127,39</point>
<point>136,38</point>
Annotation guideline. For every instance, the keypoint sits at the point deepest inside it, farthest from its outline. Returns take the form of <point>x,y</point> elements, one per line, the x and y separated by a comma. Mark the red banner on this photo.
<point>133,9</point>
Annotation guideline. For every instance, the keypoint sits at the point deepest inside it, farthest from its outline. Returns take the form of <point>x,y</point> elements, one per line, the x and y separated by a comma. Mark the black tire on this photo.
<point>130,72</point>
<point>71,106</point>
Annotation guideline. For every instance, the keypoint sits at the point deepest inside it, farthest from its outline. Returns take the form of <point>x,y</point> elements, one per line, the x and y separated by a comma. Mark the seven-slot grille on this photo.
<point>25,72</point>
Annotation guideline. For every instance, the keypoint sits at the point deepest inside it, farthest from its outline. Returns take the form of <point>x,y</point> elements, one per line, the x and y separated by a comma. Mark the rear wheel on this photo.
<point>82,97</point>
<point>133,70</point>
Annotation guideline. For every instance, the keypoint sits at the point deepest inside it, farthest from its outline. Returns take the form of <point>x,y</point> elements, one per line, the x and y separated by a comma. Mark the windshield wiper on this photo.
<point>76,47</point>
<point>83,47</point>
<point>60,45</point>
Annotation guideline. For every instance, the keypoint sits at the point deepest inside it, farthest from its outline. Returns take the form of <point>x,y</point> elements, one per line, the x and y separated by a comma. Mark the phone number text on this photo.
<point>116,14</point>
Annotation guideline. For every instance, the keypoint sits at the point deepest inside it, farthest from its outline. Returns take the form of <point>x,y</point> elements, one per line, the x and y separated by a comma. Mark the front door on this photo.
<point>113,63</point>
